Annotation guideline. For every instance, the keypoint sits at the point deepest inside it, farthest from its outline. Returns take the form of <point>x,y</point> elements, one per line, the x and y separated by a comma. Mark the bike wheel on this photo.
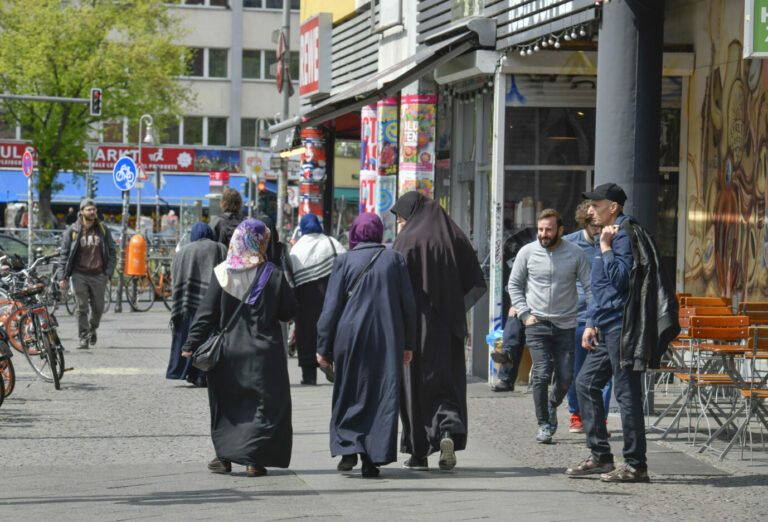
<point>108,295</point>
<point>140,293</point>
<point>14,326</point>
<point>36,353</point>
<point>2,387</point>
<point>51,355</point>
<point>167,291</point>
<point>8,374</point>
<point>69,300</point>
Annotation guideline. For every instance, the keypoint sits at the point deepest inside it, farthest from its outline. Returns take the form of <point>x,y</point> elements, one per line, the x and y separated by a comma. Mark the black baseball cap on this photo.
<point>609,191</point>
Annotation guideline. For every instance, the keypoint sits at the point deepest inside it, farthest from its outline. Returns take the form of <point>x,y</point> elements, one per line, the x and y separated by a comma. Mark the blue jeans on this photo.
<point>627,386</point>
<point>551,348</point>
<point>512,344</point>
<point>579,354</point>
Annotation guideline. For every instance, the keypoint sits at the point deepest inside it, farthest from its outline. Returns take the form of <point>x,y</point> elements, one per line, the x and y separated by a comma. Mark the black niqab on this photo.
<point>440,259</point>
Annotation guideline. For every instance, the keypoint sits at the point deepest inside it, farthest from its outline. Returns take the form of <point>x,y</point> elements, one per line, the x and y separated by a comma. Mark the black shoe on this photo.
<point>447,454</point>
<point>503,359</point>
<point>92,337</point>
<point>347,462</point>
<point>218,465</point>
<point>255,471</point>
<point>309,375</point>
<point>416,463</point>
<point>369,469</point>
<point>328,371</point>
<point>503,386</point>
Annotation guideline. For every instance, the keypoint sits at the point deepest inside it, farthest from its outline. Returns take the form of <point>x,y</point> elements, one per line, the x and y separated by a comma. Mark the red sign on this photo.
<point>218,179</point>
<point>315,55</point>
<point>11,154</point>
<point>168,159</point>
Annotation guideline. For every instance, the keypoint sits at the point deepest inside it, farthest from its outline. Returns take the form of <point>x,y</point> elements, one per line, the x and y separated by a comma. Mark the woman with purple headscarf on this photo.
<point>367,330</point>
<point>248,390</point>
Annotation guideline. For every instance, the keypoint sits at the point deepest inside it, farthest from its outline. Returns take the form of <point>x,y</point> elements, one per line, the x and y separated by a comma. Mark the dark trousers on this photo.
<point>89,289</point>
<point>513,343</point>
<point>551,349</point>
<point>579,354</point>
<point>598,367</point>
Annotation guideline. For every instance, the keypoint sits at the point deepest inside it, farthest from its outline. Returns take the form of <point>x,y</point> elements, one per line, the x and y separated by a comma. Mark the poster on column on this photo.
<point>367,191</point>
<point>386,187</point>
<point>368,128</point>
<point>387,135</point>
<point>417,144</point>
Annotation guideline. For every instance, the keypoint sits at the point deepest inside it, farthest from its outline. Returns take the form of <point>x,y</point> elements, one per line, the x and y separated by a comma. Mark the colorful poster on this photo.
<point>368,191</point>
<point>417,143</point>
<point>313,161</point>
<point>369,143</point>
<point>387,135</point>
<point>386,187</point>
<point>209,160</point>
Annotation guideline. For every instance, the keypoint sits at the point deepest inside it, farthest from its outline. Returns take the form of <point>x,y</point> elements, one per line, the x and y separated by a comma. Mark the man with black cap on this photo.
<point>620,334</point>
<point>88,256</point>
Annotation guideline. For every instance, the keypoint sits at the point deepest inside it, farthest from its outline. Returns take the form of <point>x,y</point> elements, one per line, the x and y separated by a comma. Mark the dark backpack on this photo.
<point>226,226</point>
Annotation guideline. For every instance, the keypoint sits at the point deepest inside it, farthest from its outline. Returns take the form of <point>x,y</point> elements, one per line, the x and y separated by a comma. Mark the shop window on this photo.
<point>7,130</point>
<point>217,63</point>
<point>113,132</point>
<point>193,130</point>
<point>195,67</point>
<point>252,64</point>
<point>217,131</point>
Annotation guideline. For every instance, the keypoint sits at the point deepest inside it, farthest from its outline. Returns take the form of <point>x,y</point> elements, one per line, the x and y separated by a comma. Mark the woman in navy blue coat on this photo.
<point>367,329</point>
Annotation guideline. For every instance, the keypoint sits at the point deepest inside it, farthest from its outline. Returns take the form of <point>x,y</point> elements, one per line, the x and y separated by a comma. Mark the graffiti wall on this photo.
<point>726,240</point>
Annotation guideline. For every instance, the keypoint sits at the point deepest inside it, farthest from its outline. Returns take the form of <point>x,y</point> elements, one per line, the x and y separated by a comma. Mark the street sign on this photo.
<point>139,185</point>
<point>294,165</point>
<point>124,173</point>
<point>276,162</point>
<point>142,174</point>
<point>756,29</point>
<point>293,195</point>
<point>26,164</point>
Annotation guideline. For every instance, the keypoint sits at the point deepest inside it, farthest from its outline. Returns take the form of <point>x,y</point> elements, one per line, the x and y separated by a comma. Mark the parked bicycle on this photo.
<point>141,291</point>
<point>7,372</point>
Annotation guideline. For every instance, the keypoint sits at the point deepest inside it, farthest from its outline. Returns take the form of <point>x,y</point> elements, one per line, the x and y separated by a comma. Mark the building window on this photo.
<point>7,130</point>
<point>196,66</point>
<point>193,130</point>
<point>252,64</point>
<point>217,63</point>
<point>248,132</point>
<point>207,3</point>
<point>169,133</point>
<point>272,4</point>
<point>217,131</point>
<point>271,61</point>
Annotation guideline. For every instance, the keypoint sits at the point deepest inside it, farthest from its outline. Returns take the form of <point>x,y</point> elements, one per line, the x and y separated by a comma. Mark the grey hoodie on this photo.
<point>543,283</point>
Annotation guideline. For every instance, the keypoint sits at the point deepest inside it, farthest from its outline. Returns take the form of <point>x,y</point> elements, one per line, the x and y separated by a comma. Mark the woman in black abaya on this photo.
<point>447,281</point>
<point>248,390</point>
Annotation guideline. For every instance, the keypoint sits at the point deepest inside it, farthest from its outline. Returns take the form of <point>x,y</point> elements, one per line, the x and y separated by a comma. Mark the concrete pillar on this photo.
<point>629,57</point>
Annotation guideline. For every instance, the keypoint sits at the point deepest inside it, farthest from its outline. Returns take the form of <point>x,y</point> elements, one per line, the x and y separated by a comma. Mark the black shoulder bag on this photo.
<point>207,355</point>
<point>360,277</point>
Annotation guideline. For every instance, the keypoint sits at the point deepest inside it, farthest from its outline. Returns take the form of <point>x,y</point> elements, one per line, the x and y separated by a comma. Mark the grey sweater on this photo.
<point>543,283</point>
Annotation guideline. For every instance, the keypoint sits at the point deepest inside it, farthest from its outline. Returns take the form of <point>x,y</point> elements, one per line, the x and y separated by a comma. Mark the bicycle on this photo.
<point>141,291</point>
<point>7,372</point>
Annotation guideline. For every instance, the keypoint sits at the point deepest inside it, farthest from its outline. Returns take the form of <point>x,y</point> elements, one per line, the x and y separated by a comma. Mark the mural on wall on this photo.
<point>726,240</point>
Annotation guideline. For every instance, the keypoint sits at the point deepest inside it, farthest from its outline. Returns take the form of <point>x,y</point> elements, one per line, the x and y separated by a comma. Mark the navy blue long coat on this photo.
<point>365,336</point>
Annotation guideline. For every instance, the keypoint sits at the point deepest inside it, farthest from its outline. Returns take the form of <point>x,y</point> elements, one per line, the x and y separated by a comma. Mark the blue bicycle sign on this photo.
<point>124,173</point>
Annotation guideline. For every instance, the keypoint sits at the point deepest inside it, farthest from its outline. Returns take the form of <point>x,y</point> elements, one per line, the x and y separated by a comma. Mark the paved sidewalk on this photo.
<point>120,442</point>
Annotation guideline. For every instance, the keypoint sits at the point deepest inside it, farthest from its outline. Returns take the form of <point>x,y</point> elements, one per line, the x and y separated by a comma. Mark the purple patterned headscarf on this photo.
<point>247,249</point>
<point>367,227</point>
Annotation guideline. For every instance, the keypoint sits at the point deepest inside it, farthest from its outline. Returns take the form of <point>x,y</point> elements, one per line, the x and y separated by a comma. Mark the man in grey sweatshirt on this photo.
<point>542,286</point>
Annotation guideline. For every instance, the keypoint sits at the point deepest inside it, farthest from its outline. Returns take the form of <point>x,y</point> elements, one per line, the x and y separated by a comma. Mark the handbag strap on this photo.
<point>332,246</point>
<point>360,277</point>
<point>245,297</point>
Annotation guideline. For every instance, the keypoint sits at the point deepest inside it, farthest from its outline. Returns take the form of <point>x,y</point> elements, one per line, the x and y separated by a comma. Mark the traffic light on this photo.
<point>246,189</point>
<point>93,185</point>
<point>262,187</point>
<point>95,101</point>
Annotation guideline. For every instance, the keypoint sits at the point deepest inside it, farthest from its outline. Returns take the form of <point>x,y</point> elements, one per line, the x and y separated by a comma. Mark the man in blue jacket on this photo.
<point>611,269</point>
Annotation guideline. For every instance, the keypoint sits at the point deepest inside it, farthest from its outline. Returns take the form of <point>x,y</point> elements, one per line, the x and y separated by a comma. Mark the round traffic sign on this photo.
<point>124,173</point>
<point>26,163</point>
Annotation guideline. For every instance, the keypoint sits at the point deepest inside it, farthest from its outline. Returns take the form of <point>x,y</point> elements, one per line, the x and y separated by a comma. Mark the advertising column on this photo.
<point>313,170</point>
<point>417,144</point>
<point>368,158</point>
<point>386,179</point>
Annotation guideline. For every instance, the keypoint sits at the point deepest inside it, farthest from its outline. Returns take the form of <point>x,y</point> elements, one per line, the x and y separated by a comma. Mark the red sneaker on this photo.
<point>576,425</point>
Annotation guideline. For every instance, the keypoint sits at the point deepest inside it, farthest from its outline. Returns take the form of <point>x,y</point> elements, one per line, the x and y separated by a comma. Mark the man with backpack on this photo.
<point>88,257</point>
<point>224,225</point>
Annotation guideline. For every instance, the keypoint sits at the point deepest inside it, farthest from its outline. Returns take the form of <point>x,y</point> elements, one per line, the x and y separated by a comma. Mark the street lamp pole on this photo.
<point>147,139</point>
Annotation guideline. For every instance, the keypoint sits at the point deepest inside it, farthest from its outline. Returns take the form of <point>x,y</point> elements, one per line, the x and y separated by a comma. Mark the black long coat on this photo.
<point>248,391</point>
<point>366,335</point>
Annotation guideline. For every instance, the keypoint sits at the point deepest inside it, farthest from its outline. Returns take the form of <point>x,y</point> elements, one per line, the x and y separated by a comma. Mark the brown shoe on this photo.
<point>589,467</point>
<point>255,471</point>
<point>626,473</point>
<point>218,465</point>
